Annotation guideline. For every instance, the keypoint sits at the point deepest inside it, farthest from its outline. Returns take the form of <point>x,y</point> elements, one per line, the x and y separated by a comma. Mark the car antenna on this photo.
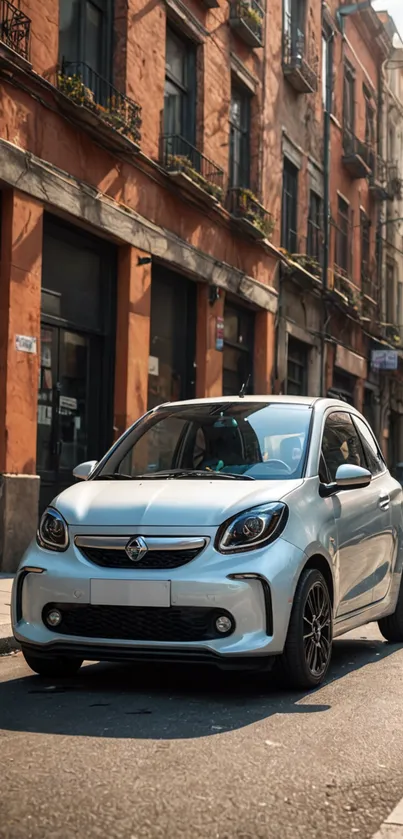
<point>241,393</point>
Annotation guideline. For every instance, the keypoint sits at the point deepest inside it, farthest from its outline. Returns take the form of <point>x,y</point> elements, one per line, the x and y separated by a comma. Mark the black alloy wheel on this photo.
<point>308,648</point>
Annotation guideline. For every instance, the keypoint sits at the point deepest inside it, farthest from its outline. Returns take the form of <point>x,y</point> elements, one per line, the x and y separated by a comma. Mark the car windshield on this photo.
<point>261,441</point>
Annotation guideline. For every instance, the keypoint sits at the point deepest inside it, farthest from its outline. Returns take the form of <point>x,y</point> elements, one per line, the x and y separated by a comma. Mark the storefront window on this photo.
<point>238,350</point>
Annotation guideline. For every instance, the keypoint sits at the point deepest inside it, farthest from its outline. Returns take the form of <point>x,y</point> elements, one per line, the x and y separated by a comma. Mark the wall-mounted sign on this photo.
<point>153,365</point>
<point>219,334</point>
<point>25,343</point>
<point>384,359</point>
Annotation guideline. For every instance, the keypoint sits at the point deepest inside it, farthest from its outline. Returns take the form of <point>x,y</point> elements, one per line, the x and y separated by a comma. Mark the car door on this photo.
<point>356,513</point>
<point>388,506</point>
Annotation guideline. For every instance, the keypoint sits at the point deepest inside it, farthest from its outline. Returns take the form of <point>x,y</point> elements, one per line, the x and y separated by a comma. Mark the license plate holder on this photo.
<point>140,593</point>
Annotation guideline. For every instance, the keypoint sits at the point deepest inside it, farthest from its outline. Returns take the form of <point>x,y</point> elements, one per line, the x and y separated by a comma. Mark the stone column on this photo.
<point>209,360</point>
<point>20,312</point>
<point>132,337</point>
<point>264,352</point>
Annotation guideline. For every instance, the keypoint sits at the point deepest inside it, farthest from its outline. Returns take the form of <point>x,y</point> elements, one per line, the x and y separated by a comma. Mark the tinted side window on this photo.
<point>341,443</point>
<point>372,454</point>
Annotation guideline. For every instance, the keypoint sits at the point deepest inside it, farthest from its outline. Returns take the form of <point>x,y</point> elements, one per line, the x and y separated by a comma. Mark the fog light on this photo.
<point>54,617</point>
<point>223,624</point>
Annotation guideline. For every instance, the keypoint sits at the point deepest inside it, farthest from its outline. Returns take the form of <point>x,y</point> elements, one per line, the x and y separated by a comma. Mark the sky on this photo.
<point>395,9</point>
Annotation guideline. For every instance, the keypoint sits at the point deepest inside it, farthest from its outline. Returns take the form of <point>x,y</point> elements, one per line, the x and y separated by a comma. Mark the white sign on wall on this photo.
<point>25,343</point>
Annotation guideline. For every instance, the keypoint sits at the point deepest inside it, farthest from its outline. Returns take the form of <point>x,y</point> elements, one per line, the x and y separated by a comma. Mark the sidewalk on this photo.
<point>7,642</point>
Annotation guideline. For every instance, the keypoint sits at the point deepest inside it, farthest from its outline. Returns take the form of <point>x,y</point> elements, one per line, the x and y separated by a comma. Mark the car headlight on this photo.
<point>53,532</point>
<point>252,529</point>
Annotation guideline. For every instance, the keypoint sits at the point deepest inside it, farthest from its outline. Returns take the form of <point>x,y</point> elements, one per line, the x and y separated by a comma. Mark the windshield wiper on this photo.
<point>192,473</point>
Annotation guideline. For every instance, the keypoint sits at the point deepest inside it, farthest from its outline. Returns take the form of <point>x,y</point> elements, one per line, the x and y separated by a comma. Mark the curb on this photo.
<point>8,644</point>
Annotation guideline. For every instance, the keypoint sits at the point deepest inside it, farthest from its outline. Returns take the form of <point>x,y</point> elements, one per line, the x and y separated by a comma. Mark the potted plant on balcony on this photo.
<point>250,16</point>
<point>180,163</point>
<point>251,210</point>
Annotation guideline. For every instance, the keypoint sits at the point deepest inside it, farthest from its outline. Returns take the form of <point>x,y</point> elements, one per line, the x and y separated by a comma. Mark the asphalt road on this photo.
<point>124,753</point>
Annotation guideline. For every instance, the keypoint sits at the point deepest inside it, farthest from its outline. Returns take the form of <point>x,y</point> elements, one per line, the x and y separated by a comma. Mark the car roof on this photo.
<point>309,401</point>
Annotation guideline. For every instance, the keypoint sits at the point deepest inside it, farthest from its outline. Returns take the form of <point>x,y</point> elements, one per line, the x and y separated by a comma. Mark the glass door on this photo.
<point>65,407</point>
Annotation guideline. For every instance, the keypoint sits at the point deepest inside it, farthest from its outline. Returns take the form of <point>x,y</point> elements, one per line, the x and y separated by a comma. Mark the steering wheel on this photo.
<point>279,463</point>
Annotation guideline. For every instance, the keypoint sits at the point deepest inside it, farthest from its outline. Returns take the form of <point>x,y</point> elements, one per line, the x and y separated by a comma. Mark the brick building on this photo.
<point>171,186</point>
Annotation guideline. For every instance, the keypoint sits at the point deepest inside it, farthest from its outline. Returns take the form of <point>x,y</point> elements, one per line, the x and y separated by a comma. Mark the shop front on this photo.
<point>75,386</point>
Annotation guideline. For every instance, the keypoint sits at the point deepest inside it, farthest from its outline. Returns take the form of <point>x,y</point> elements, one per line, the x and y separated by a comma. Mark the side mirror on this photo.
<point>83,470</point>
<point>348,476</point>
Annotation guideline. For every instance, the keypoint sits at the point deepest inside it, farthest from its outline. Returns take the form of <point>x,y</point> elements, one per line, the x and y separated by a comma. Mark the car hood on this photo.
<point>165,503</point>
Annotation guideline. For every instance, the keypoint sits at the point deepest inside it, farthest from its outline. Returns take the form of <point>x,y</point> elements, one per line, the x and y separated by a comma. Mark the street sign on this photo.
<point>384,360</point>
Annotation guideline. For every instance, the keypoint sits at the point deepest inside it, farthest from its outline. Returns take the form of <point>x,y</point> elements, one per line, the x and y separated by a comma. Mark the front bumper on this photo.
<point>255,588</point>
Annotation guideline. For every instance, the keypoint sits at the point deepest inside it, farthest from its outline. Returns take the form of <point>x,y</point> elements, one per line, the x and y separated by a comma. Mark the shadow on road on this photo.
<point>165,703</point>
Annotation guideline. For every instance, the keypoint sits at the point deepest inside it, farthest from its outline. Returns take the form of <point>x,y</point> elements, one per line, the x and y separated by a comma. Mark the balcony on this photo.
<point>356,156</point>
<point>249,214</point>
<point>191,169</point>
<point>300,65</point>
<point>100,105</point>
<point>347,292</point>
<point>15,29</point>
<point>247,20</point>
<point>378,178</point>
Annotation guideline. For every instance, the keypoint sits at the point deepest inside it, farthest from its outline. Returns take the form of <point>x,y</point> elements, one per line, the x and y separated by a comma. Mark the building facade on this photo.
<point>191,198</point>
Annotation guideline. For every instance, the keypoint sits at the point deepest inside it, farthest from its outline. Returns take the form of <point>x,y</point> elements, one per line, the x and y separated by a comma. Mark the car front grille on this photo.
<point>117,558</point>
<point>128,623</point>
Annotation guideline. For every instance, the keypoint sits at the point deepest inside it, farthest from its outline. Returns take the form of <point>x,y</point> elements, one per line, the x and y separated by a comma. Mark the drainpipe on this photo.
<point>326,201</point>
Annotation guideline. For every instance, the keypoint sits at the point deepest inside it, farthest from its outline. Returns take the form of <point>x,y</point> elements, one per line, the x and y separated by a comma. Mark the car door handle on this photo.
<point>384,502</point>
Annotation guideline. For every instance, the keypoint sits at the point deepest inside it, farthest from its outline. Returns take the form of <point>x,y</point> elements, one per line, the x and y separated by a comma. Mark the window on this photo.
<point>365,226</point>
<point>343,236</point>
<point>239,144</point>
<point>180,88</point>
<point>315,226</point>
<point>390,293</point>
<point>373,458</point>
<point>297,368</point>
<point>294,26</point>
<point>341,443</point>
<point>369,120</point>
<point>348,98</point>
<point>266,441</point>
<point>85,34</point>
<point>327,68</point>
<point>289,207</point>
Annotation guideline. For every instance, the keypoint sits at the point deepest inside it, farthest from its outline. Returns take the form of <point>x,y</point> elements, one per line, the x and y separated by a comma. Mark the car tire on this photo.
<point>52,666</point>
<point>308,648</point>
<point>392,627</point>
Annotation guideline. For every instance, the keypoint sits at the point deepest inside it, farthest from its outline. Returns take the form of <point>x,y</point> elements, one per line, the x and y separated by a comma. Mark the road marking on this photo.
<point>392,828</point>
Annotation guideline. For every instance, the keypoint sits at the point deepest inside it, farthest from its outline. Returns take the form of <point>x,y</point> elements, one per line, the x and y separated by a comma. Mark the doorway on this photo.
<point>238,350</point>
<point>75,386</point>
<point>172,372</point>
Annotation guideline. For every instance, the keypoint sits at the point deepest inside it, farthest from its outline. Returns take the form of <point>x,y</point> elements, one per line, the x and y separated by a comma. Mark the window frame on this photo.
<point>326,417</point>
<point>346,215</point>
<point>349,110</point>
<point>289,207</point>
<point>188,89</point>
<point>106,9</point>
<point>315,226</point>
<point>362,419</point>
<point>243,130</point>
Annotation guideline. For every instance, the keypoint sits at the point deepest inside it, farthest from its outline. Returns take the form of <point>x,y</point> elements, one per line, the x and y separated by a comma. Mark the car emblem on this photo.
<point>136,549</point>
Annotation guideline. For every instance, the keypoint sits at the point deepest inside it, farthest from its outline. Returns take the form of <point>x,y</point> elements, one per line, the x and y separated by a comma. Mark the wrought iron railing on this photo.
<point>15,28</point>
<point>243,204</point>
<point>87,88</point>
<point>349,290</point>
<point>251,13</point>
<point>178,155</point>
<point>298,54</point>
<point>315,241</point>
<point>353,147</point>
